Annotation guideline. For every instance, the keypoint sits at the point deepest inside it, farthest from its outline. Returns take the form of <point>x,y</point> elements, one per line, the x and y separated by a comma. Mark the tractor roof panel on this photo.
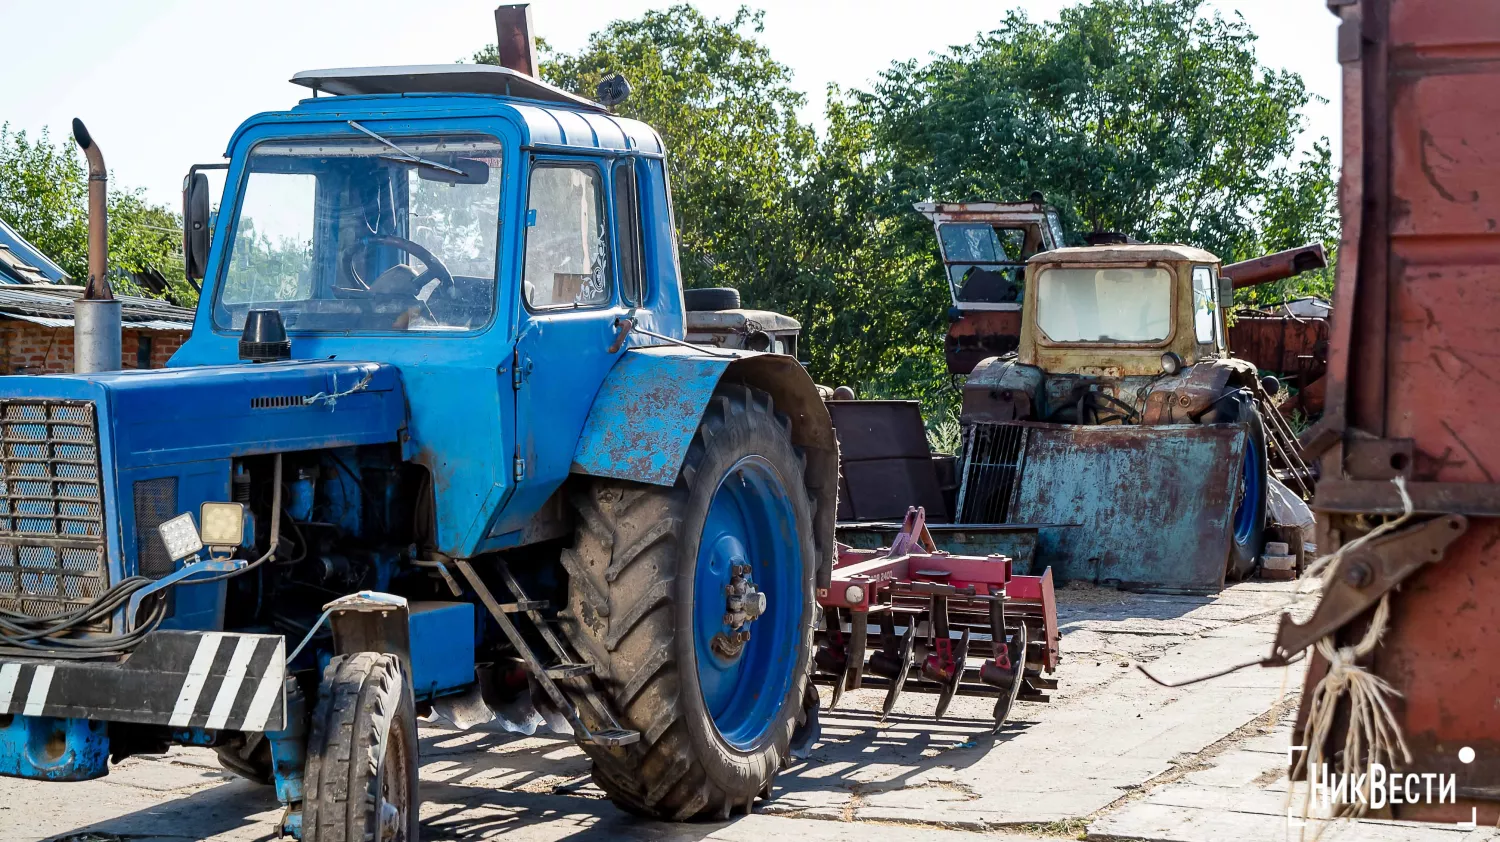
<point>550,116</point>
<point>1125,253</point>
<point>438,79</point>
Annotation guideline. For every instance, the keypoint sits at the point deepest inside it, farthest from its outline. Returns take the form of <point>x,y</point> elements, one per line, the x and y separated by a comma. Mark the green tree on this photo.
<point>1142,116</point>
<point>44,196</point>
<point>1146,117</point>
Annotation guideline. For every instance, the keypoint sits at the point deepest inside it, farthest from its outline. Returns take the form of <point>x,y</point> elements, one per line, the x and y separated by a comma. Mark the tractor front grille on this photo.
<point>51,507</point>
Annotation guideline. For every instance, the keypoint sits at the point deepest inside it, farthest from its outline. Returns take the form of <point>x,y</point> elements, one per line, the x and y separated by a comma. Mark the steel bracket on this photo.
<point>1362,578</point>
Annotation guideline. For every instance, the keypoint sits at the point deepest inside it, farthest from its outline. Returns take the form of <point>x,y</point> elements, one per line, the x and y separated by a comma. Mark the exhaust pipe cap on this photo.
<point>264,339</point>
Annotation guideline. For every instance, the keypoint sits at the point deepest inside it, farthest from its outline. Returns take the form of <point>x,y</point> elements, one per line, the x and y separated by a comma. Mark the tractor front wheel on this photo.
<point>695,605</point>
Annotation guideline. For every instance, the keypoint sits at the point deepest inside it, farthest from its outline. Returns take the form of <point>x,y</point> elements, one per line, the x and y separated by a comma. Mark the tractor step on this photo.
<point>565,699</point>
<point>615,737</point>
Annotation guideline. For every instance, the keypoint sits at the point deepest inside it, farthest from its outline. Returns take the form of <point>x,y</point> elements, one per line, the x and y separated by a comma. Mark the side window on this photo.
<point>1205,311</point>
<point>567,249</point>
<point>628,233</point>
<point>273,243</point>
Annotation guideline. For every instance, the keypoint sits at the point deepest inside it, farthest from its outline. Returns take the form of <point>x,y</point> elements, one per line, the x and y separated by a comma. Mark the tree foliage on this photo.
<point>1148,117</point>
<point>44,197</point>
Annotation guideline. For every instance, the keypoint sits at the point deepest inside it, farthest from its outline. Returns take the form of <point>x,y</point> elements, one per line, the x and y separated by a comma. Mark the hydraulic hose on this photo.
<point>55,635</point>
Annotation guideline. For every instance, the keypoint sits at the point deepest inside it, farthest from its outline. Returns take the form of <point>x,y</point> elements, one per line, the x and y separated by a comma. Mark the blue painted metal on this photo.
<point>471,445</point>
<point>750,523</point>
<point>1152,504</point>
<point>49,749</point>
<point>289,756</point>
<point>499,415</point>
<point>646,413</point>
<point>1253,488</point>
<point>442,647</point>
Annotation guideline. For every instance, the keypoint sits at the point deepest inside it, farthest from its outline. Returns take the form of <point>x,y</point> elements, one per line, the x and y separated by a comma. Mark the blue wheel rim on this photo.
<point>1254,487</point>
<point>750,521</point>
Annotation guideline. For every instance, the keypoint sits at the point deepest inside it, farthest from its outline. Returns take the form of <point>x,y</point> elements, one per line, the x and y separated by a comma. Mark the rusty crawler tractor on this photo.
<point>1123,413</point>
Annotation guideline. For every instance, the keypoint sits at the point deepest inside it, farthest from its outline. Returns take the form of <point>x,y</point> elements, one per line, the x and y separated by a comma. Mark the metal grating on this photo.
<point>280,401</point>
<point>155,504</point>
<point>992,472</point>
<point>51,507</point>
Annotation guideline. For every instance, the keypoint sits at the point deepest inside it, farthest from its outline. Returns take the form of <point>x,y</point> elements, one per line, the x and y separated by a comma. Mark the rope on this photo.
<point>333,399</point>
<point>1372,733</point>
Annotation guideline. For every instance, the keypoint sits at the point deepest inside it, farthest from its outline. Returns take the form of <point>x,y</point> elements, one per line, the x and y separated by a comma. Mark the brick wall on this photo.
<point>27,348</point>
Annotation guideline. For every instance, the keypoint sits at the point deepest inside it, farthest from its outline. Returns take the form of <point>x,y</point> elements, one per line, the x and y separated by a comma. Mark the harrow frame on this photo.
<point>928,607</point>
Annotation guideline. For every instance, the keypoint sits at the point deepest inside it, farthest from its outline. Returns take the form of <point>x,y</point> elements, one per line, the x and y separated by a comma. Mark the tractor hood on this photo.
<point>201,413</point>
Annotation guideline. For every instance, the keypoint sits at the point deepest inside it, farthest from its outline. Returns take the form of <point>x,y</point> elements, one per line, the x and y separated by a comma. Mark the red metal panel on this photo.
<point>1414,356</point>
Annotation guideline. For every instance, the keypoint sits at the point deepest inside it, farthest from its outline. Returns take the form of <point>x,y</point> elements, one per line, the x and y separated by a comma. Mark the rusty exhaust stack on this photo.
<point>513,38</point>
<point>1269,268</point>
<point>96,316</point>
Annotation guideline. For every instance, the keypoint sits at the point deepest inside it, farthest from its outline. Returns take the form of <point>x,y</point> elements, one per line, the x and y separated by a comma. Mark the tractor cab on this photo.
<point>984,248</point>
<point>1125,333</point>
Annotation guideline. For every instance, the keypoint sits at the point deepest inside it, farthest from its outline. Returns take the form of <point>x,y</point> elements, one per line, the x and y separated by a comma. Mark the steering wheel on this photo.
<point>434,266</point>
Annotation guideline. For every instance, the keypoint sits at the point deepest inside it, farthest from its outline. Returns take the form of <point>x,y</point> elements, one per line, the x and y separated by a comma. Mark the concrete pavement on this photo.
<point>1113,757</point>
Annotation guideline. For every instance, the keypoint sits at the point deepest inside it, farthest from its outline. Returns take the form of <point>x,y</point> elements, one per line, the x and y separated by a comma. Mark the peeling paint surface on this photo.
<point>646,413</point>
<point>1151,505</point>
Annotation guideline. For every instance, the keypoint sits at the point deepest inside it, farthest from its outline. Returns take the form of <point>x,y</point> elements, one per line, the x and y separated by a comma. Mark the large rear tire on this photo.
<point>647,606</point>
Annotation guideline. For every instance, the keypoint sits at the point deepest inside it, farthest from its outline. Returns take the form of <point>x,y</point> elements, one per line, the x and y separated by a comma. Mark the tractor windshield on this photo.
<point>987,263</point>
<point>1125,304</point>
<point>366,235</point>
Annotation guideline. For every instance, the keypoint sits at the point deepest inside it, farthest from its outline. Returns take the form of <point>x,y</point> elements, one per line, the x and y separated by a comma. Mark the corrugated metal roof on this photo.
<point>23,263</point>
<point>52,305</point>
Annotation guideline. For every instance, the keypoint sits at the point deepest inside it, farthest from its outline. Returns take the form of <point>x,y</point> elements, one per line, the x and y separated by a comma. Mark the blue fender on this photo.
<point>646,412</point>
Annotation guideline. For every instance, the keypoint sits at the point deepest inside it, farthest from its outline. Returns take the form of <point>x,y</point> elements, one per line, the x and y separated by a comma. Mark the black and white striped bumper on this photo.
<point>214,680</point>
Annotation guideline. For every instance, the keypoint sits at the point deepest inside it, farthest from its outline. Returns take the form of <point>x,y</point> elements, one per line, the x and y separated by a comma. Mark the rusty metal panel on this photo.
<point>1413,360</point>
<point>977,335</point>
<point>1152,504</point>
<point>885,465</point>
<point>1294,348</point>
<point>646,413</point>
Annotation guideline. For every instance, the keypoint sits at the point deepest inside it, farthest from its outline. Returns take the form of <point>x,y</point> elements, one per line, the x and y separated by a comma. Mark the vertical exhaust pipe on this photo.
<point>96,316</point>
<point>515,45</point>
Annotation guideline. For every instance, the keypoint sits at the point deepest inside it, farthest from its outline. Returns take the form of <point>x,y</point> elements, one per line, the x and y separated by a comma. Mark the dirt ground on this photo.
<point>1112,757</point>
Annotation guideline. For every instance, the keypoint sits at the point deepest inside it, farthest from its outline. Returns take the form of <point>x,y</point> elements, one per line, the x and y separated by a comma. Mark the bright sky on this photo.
<point>163,83</point>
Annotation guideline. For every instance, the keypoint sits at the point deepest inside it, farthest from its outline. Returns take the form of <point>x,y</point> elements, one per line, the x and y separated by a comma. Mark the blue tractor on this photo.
<point>436,443</point>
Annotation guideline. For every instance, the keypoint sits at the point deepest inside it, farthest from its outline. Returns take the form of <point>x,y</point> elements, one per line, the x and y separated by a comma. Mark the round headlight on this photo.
<point>854,595</point>
<point>1171,363</point>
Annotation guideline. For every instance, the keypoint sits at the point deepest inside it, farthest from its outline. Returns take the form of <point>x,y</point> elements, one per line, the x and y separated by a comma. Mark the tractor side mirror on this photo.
<point>1226,291</point>
<point>195,225</point>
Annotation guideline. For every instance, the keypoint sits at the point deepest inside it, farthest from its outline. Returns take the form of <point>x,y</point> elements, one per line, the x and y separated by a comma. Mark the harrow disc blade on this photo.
<point>1017,648</point>
<point>904,662</point>
<point>960,655</point>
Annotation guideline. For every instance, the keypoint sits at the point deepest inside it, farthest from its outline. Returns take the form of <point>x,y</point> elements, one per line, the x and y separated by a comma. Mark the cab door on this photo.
<point>581,275</point>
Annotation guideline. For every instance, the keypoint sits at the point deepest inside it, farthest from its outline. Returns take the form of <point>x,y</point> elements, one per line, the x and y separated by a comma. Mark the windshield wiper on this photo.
<point>407,157</point>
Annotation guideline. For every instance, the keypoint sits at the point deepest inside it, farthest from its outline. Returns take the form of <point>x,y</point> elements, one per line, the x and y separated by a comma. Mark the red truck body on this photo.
<point>1413,381</point>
